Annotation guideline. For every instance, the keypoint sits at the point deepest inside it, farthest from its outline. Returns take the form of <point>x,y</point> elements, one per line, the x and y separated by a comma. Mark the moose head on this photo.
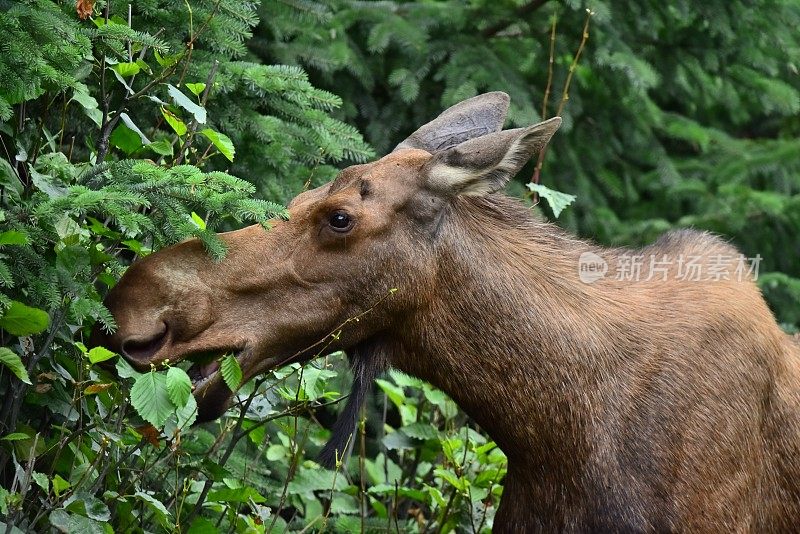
<point>353,261</point>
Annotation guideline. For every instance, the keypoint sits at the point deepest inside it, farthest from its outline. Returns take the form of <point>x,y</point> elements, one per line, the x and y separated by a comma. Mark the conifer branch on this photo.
<point>523,11</point>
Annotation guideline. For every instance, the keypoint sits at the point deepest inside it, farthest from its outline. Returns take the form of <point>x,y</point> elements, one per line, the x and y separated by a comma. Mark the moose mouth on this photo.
<point>209,388</point>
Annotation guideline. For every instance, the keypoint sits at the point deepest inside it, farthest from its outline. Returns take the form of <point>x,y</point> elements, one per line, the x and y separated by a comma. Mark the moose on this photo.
<point>623,405</point>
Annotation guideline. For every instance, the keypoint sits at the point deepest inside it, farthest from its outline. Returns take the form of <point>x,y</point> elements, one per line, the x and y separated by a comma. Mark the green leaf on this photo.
<point>196,88</point>
<point>125,139</point>
<point>231,372</point>
<point>221,141</point>
<point>150,398</point>
<point>14,363</point>
<point>198,221</point>
<point>157,506</point>
<point>130,124</point>
<point>175,123</point>
<point>41,480</point>
<point>15,436</point>
<point>420,430</point>
<point>179,386</point>
<point>188,414</point>
<point>556,199</point>
<point>450,477</point>
<point>74,523</point>
<point>395,393</point>
<point>23,320</point>
<point>187,103</point>
<point>243,494</point>
<point>201,525</point>
<point>124,369</point>
<point>13,237</point>
<point>100,354</point>
<point>60,485</point>
<point>162,147</point>
<point>126,69</point>
<point>168,61</point>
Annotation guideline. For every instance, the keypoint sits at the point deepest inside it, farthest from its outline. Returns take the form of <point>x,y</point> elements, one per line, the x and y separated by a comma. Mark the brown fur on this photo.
<point>622,406</point>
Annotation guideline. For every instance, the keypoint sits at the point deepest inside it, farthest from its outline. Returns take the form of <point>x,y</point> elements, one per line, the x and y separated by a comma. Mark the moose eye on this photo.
<point>340,221</point>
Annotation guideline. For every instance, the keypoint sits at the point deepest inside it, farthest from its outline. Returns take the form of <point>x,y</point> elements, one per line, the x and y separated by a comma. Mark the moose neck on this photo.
<point>501,334</point>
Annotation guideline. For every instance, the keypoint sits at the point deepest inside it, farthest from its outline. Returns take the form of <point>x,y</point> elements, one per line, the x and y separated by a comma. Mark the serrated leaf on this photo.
<point>150,398</point>
<point>231,372</point>
<point>23,320</point>
<point>186,103</point>
<point>13,237</point>
<point>179,386</point>
<point>221,141</point>
<point>174,121</point>
<point>100,354</point>
<point>556,199</point>
<point>10,359</point>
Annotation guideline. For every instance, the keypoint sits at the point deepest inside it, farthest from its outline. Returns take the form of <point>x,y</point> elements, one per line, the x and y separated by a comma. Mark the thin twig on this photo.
<point>564,94</point>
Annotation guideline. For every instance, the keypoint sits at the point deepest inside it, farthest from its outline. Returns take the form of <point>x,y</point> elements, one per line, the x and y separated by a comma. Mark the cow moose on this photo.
<point>651,405</point>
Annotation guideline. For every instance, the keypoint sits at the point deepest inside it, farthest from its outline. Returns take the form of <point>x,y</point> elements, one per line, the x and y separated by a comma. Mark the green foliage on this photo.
<point>119,139</point>
<point>231,372</point>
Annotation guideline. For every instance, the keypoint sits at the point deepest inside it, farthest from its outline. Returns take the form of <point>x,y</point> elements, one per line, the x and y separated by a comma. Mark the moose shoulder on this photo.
<point>658,404</point>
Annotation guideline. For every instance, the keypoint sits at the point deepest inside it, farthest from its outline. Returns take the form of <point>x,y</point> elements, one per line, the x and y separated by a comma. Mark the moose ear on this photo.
<point>484,165</point>
<point>474,117</point>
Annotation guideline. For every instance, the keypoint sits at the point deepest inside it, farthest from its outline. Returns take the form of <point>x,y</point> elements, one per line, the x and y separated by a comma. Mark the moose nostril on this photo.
<point>144,347</point>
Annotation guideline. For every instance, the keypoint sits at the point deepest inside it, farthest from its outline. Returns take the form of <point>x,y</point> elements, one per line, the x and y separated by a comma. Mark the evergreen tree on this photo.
<point>679,114</point>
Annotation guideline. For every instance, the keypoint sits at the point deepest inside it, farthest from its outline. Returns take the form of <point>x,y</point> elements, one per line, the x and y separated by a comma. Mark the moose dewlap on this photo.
<point>656,404</point>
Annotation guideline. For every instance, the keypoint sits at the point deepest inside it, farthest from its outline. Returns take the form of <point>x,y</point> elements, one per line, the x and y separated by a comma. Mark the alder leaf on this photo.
<point>179,386</point>
<point>150,398</point>
<point>231,372</point>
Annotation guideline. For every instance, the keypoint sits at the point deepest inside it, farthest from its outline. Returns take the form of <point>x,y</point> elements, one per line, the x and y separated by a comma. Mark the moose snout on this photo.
<point>136,347</point>
<point>140,348</point>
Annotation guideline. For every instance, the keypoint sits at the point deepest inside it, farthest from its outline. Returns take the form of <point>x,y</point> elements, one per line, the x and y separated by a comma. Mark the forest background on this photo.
<point>125,127</point>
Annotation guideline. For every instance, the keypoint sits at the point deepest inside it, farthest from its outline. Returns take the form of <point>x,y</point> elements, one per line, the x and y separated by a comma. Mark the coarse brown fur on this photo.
<point>623,406</point>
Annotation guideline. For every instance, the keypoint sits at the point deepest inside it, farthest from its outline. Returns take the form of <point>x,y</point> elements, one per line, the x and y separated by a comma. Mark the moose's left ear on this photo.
<point>485,164</point>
